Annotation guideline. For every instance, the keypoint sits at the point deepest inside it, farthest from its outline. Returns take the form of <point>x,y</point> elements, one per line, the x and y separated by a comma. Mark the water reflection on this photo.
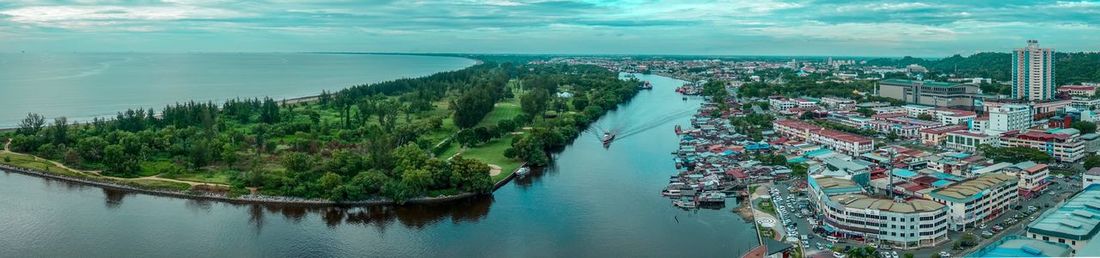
<point>112,197</point>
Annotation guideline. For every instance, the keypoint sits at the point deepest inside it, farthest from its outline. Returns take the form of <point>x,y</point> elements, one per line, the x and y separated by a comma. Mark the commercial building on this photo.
<point>1033,177</point>
<point>1078,90</point>
<point>836,140</point>
<point>1065,145</point>
<point>931,93</point>
<point>838,103</point>
<point>1033,72</point>
<point>977,200</point>
<point>1074,222</point>
<point>847,212</point>
<point>1008,118</point>
<point>1019,246</point>
<point>953,116</point>
<point>968,141</point>
<point>1091,177</point>
<point>935,136</point>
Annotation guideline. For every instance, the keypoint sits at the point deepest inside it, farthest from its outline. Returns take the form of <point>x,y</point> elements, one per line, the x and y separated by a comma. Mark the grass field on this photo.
<point>501,111</point>
<point>161,185</point>
<point>213,177</point>
<point>26,161</point>
<point>493,153</point>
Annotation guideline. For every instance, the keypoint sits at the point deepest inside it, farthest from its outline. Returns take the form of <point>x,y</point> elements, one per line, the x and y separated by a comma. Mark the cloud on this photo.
<point>774,26</point>
<point>75,17</point>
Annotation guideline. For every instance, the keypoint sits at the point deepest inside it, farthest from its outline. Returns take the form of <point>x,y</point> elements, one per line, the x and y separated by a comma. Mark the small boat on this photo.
<point>671,193</point>
<point>607,138</point>
<point>684,204</point>
<point>522,172</point>
<point>646,86</point>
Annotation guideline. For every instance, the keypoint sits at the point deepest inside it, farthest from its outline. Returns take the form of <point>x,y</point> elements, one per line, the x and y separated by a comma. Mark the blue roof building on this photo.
<point>1074,222</point>
<point>1018,246</point>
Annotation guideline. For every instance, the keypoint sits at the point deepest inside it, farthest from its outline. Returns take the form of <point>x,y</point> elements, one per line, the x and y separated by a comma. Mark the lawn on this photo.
<point>501,111</point>
<point>212,177</point>
<point>766,206</point>
<point>161,185</point>
<point>27,161</point>
<point>492,152</point>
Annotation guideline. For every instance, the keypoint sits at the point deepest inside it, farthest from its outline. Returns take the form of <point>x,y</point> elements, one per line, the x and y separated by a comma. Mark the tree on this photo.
<point>1084,127</point>
<point>60,130</point>
<point>534,102</point>
<point>470,175</point>
<point>333,184</point>
<point>32,124</point>
<point>1014,154</point>
<point>298,162</point>
<point>926,117</point>
<point>1092,161</point>
<point>907,255</point>
<point>806,116</point>
<point>865,111</point>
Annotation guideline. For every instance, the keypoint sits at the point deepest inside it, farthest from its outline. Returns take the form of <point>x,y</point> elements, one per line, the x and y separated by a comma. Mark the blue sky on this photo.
<point>731,27</point>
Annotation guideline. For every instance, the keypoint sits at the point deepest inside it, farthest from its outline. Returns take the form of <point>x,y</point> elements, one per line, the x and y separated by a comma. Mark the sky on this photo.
<point>726,27</point>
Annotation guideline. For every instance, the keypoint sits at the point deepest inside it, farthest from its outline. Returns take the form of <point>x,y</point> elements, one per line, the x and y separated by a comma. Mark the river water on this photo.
<point>592,202</point>
<point>85,85</point>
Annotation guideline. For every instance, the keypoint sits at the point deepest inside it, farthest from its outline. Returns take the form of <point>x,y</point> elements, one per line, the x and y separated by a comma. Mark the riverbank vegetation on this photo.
<point>399,139</point>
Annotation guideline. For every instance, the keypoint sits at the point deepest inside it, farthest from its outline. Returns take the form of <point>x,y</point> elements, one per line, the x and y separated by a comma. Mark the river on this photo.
<point>85,85</point>
<point>592,202</point>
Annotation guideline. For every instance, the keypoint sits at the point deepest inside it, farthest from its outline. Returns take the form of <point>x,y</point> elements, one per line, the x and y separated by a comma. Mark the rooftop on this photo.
<point>1019,246</point>
<point>831,185</point>
<point>1077,218</point>
<point>911,82</point>
<point>973,188</point>
<point>863,202</point>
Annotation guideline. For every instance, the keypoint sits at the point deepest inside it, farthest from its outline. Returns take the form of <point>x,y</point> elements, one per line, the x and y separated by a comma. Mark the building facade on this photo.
<point>1065,145</point>
<point>1074,222</point>
<point>1033,72</point>
<point>846,212</point>
<point>846,143</point>
<point>1009,117</point>
<point>974,201</point>
<point>931,93</point>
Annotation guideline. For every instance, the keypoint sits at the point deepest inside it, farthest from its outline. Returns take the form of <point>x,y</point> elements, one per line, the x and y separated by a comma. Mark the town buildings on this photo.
<point>1033,72</point>
<point>1078,90</point>
<point>967,141</point>
<point>836,140</point>
<point>1064,145</point>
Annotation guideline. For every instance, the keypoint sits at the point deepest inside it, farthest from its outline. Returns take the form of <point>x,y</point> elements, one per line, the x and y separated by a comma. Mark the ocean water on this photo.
<point>85,85</point>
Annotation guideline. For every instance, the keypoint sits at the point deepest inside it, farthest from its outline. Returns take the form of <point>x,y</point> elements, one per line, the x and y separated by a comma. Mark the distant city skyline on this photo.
<point>755,27</point>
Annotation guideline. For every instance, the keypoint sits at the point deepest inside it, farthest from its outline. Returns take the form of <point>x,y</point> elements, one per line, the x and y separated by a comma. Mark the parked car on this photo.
<point>945,254</point>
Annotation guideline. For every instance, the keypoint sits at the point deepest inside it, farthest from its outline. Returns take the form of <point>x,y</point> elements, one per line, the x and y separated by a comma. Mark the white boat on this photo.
<point>522,172</point>
<point>684,204</point>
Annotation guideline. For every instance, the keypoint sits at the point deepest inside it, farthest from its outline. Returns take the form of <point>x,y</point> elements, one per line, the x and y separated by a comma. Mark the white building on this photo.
<point>1091,177</point>
<point>1009,117</point>
<point>848,212</point>
<point>977,200</point>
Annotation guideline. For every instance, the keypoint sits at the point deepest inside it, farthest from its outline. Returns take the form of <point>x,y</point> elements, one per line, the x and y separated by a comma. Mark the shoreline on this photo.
<point>245,199</point>
<point>255,199</point>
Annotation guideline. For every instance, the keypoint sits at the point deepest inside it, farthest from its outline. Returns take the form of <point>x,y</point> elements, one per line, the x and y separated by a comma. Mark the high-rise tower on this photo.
<point>1033,72</point>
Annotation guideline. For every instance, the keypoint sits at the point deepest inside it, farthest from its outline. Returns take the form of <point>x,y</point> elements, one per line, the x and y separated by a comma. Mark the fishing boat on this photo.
<point>608,137</point>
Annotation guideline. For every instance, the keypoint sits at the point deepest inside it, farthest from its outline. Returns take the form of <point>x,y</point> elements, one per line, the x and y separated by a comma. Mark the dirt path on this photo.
<point>95,173</point>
